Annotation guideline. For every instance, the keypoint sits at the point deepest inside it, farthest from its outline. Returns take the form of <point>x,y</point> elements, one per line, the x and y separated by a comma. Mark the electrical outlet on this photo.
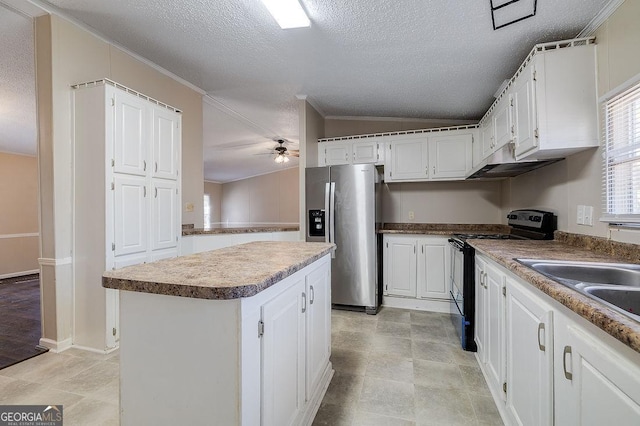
<point>188,207</point>
<point>580,218</point>
<point>588,215</point>
<point>411,215</point>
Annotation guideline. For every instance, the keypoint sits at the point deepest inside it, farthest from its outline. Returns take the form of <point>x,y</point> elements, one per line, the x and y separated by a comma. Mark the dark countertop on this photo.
<point>239,271</point>
<point>240,230</point>
<point>503,252</point>
<point>442,228</point>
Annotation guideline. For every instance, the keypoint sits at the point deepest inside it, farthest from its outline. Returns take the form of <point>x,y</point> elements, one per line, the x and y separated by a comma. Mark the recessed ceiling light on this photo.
<point>288,13</point>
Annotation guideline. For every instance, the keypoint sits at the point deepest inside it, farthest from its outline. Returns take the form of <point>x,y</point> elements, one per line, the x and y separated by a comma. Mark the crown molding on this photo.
<point>600,18</point>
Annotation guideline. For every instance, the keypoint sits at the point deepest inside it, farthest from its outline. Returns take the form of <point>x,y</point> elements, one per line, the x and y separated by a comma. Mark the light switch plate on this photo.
<point>588,215</point>
<point>580,218</point>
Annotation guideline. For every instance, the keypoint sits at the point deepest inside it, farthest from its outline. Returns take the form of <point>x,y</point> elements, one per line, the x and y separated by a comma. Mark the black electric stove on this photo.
<point>524,225</point>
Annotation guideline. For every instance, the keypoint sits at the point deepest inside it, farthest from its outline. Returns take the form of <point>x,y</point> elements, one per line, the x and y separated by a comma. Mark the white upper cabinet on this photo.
<point>357,151</point>
<point>450,155</point>
<point>367,151</point>
<point>443,155</point>
<point>131,136</point>
<point>502,123</point>
<point>337,153</point>
<point>524,110</point>
<point>408,159</point>
<point>166,138</point>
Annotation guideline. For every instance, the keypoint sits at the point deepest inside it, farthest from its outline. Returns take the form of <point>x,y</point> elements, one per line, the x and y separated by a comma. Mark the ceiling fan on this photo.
<point>282,153</point>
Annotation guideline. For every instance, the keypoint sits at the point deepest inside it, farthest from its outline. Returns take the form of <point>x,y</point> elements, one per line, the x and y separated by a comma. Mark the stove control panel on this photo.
<point>533,219</point>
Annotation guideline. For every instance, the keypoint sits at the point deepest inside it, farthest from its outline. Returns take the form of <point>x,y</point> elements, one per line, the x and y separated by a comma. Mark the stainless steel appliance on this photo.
<point>525,225</point>
<point>502,163</point>
<point>342,205</point>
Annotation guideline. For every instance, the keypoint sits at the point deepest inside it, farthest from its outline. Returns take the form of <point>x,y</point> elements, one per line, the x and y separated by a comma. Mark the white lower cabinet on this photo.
<point>416,266</point>
<point>546,365</point>
<point>283,351</point>
<point>529,338</point>
<point>261,360</point>
<point>597,379</point>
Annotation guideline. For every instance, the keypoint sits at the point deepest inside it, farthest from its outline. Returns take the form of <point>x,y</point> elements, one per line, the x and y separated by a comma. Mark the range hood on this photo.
<point>502,164</point>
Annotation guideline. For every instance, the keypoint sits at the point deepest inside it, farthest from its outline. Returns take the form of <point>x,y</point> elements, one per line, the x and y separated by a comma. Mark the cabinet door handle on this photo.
<point>434,170</point>
<point>540,345</point>
<point>312,295</point>
<point>156,167</point>
<point>144,191</point>
<point>144,165</point>
<point>156,192</point>
<point>567,351</point>
<point>304,302</point>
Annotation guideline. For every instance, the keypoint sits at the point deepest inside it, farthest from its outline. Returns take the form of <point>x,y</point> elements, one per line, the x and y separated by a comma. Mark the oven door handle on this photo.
<point>458,245</point>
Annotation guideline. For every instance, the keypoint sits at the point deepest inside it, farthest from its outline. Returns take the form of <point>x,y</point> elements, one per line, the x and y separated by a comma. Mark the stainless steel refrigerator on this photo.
<point>343,207</point>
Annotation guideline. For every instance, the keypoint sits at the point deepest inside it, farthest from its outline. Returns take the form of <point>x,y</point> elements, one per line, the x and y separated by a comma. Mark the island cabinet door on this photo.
<point>283,361</point>
<point>318,326</point>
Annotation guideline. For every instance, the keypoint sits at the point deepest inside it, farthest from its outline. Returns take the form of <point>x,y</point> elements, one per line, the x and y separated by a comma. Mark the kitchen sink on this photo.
<point>627,299</point>
<point>614,284</point>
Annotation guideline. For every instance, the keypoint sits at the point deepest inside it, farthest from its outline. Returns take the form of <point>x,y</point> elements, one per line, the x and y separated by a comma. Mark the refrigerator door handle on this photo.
<point>332,217</point>
<point>327,190</point>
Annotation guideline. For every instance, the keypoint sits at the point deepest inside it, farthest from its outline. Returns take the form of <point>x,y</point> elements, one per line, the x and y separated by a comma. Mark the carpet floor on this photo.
<point>19,320</point>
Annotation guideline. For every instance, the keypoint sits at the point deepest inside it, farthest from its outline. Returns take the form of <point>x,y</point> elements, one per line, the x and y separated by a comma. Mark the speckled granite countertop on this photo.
<point>442,228</point>
<point>229,273</point>
<point>243,230</point>
<point>617,325</point>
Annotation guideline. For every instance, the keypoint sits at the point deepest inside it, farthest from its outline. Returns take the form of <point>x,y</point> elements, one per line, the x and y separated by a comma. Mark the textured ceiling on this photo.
<point>17,84</point>
<point>410,59</point>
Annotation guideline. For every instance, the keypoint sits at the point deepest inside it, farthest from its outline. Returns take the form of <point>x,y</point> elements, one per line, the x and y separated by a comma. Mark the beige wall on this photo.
<point>312,126</point>
<point>67,54</point>
<point>578,179</point>
<point>18,214</point>
<point>334,127</point>
<point>443,202</point>
<point>214,192</point>
<point>266,199</point>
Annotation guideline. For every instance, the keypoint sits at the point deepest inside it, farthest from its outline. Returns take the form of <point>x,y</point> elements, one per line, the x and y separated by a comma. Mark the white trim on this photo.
<point>213,181</point>
<point>315,106</point>
<point>431,305</point>
<point>105,81</point>
<point>53,10</point>
<point>399,119</point>
<point>24,8</point>
<point>260,174</point>
<point>220,106</point>
<point>399,133</point>
<point>47,261</point>
<point>56,346</point>
<point>619,89</point>
<point>96,351</point>
<point>22,154</point>
<point>27,235</point>
<point>600,18</point>
<point>17,274</point>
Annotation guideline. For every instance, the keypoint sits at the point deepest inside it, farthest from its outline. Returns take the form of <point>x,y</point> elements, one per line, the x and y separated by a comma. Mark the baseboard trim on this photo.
<point>94,350</point>
<point>18,274</point>
<point>56,346</point>
<point>47,261</point>
<point>431,305</point>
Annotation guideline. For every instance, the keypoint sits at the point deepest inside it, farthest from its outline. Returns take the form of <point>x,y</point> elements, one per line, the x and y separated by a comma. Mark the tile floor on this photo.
<point>399,367</point>
<point>403,367</point>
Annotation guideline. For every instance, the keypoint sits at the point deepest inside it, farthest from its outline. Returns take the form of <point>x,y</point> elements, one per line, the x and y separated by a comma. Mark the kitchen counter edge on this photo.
<point>179,276</point>
<point>504,252</point>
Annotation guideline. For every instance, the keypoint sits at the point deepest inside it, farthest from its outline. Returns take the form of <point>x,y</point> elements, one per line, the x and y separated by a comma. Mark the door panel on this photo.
<point>450,155</point>
<point>318,325</point>
<point>131,215</point>
<point>166,143</point>
<point>401,267</point>
<point>164,214</point>
<point>131,134</point>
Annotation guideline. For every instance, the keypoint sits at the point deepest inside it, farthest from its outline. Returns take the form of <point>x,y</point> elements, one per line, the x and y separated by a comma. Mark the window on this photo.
<point>622,157</point>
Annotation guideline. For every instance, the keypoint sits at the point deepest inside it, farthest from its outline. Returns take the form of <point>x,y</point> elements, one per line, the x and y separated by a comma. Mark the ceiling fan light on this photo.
<point>279,159</point>
<point>286,159</point>
<point>288,13</point>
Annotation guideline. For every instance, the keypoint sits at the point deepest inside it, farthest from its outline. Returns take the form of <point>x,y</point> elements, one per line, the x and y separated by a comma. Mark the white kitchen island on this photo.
<point>236,336</point>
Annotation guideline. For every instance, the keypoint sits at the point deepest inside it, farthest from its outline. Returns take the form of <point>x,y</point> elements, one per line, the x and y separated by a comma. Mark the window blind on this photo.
<point>621,166</point>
